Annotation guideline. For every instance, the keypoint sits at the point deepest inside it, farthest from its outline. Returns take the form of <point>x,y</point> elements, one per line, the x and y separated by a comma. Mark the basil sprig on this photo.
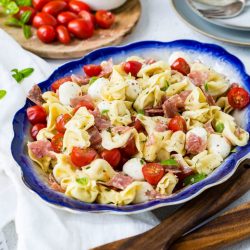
<point>3,93</point>
<point>193,179</point>
<point>83,181</point>
<point>19,75</point>
<point>169,162</point>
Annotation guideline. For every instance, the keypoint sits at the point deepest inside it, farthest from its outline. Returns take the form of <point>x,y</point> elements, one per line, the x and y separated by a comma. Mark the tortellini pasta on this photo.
<point>167,184</point>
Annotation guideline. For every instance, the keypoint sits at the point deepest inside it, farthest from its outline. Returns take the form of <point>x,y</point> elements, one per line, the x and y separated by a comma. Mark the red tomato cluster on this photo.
<point>62,19</point>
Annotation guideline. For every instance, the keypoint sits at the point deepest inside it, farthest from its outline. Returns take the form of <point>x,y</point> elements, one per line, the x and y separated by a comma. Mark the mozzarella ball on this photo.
<point>133,90</point>
<point>67,91</point>
<point>201,132</point>
<point>174,56</point>
<point>218,144</point>
<point>141,192</point>
<point>96,87</point>
<point>103,105</point>
<point>133,168</point>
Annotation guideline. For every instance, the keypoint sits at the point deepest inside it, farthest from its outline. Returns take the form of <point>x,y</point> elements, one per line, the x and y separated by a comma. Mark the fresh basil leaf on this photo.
<point>4,2</point>
<point>11,8</point>
<point>2,93</point>
<point>141,112</point>
<point>24,2</point>
<point>206,86</point>
<point>83,181</point>
<point>25,17</point>
<point>219,127</point>
<point>169,162</point>
<point>105,111</point>
<point>193,179</point>
<point>26,72</point>
<point>27,31</point>
<point>93,79</point>
<point>12,21</point>
<point>17,75</point>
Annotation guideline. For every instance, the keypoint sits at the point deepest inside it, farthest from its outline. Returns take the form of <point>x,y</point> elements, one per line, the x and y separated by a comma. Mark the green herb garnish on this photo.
<point>93,79</point>
<point>24,2</point>
<point>219,127</point>
<point>27,31</point>
<point>2,93</point>
<point>25,17</point>
<point>19,75</point>
<point>206,86</point>
<point>83,181</point>
<point>193,179</point>
<point>141,112</point>
<point>105,111</point>
<point>169,162</point>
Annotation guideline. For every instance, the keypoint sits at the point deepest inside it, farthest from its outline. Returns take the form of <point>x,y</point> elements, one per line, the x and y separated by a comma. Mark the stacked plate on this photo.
<point>234,30</point>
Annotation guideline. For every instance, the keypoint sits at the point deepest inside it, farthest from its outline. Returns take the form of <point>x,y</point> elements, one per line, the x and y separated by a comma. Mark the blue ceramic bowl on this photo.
<point>210,54</point>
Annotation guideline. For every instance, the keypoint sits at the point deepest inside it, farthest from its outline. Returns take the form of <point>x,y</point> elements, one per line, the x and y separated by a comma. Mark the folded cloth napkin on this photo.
<point>38,225</point>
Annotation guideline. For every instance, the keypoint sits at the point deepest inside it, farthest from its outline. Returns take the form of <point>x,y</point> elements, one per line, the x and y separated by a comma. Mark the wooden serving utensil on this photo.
<point>189,215</point>
<point>231,227</point>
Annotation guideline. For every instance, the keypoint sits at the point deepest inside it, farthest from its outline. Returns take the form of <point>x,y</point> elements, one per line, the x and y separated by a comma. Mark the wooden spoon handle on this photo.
<point>189,215</point>
<point>227,229</point>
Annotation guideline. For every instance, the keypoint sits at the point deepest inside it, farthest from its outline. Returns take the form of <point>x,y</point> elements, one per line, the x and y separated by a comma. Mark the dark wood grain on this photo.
<point>126,18</point>
<point>227,229</point>
<point>189,215</point>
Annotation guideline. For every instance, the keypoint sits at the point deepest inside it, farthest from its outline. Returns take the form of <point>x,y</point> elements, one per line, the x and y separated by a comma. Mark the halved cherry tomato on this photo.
<point>36,114</point>
<point>46,33</point>
<point>54,7</point>
<point>238,97</point>
<point>35,129</point>
<point>77,6</point>
<point>57,142</point>
<point>132,67</point>
<point>43,18</point>
<point>112,156</point>
<point>38,4</point>
<point>104,19</point>
<point>61,122</point>
<point>63,34</point>
<point>81,28</point>
<point>23,9</point>
<point>177,123</point>
<point>153,172</point>
<point>181,66</point>
<point>92,70</point>
<point>82,157</point>
<point>130,148</point>
<point>87,16</point>
<point>138,125</point>
<point>56,84</point>
<point>88,105</point>
<point>65,17</point>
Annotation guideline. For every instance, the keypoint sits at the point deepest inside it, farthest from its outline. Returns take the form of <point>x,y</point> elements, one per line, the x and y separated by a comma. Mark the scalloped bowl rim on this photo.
<point>58,200</point>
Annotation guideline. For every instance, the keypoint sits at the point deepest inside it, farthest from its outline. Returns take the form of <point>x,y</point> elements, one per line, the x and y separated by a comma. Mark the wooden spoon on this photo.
<point>189,215</point>
<point>227,229</point>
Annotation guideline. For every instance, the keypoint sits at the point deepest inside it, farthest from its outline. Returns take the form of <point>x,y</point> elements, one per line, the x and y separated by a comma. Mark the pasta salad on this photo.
<point>135,131</point>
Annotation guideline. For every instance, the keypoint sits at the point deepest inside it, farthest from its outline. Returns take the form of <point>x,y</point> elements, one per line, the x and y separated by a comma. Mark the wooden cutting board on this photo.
<point>126,18</point>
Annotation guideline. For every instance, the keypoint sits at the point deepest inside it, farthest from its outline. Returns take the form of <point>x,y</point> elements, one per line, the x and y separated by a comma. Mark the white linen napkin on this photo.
<point>38,225</point>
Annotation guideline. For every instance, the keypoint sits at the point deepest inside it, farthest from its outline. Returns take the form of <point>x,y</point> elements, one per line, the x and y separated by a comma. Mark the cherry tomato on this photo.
<point>104,18</point>
<point>138,125</point>
<point>63,34</point>
<point>61,122</point>
<point>57,142</point>
<point>113,156</point>
<point>86,104</point>
<point>38,4</point>
<point>238,97</point>
<point>77,6</point>
<point>46,33</point>
<point>43,18</point>
<point>132,67</point>
<point>82,157</point>
<point>181,66</point>
<point>130,149</point>
<point>92,70</point>
<point>23,9</point>
<point>177,123</point>
<point>35,129</point>
<point>80,28</point>
<point>87,16</point>
<point>65,17</point>
<point>54,7</point>
<point>56,84</point>
<point>153,172</point>
<point>36,114</point>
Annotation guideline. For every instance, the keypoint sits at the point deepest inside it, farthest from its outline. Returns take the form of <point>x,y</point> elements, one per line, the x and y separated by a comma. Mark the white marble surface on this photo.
<point>159,22</point>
